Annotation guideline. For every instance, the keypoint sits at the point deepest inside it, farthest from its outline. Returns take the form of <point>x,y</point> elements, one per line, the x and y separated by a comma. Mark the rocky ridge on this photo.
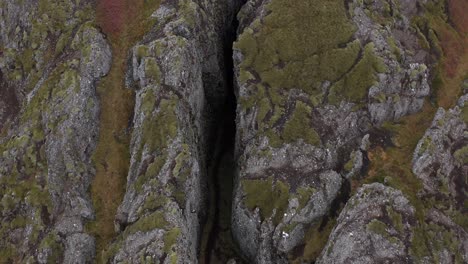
<point>304,110</point>
<point>323,91</point>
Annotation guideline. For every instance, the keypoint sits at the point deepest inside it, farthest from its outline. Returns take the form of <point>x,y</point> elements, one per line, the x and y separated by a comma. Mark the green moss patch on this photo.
<point>148,223</point>
<point>461,155</point>
<point>354,85</point>
<point>464,113</point>
<point>162,126</point>
<point>292,49</point>
<point>378,227</point>
<point>170,239</point>
<point>267,196</point>
<point>297,126</point>
<point>284,47</point>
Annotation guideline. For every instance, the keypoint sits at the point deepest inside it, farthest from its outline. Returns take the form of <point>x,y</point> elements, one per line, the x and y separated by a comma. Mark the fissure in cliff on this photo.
<point>217,244</point>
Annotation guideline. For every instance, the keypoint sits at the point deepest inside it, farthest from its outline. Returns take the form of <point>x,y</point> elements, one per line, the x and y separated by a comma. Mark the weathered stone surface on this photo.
<point>318,82</point>
<point>401,89</point>
<point>45,157</point>
<point>306,103</point>
<point>441,156</point>
<point>375,226</point>
<point>440,162</point>
<point>175,72</point>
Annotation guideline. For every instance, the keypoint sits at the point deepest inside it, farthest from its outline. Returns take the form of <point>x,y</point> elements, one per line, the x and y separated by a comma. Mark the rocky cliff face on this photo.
<point>50,64</point>
<point>311,86</point>
<point>259,131</point>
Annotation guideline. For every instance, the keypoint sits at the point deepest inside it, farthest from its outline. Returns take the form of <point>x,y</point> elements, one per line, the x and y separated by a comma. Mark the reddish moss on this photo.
<point>124,22</point>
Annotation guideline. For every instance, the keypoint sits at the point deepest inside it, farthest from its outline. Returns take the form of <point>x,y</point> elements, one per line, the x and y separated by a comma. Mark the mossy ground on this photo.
<point>393,165</point>
<point>292,49</point>
<point>124,22</point>
<point>269,195</point>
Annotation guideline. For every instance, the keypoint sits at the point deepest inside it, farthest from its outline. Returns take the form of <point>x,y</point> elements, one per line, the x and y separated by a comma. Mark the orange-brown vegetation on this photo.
<point>123,22</point>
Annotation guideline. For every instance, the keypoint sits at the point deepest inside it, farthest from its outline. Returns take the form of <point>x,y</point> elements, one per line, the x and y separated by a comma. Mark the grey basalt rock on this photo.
<point>47,150</point>
<point>375,226</point>
<point>440,161</point>
<point>440,158</point>
<point>342,125</point>
<point>401,89</point>
<point>174,72</point>
<point>80,248</point>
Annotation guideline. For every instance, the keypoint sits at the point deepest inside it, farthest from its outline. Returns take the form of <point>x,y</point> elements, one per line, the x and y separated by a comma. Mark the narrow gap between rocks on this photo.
<point>217,245</point>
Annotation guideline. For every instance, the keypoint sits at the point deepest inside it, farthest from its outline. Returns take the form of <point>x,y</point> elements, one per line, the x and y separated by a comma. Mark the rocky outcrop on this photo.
<point>380,224</point>
<point>46,155</point>
<point>322,88</point>
<point>440,162</point>
<point>441,156</point>
<point>375,226</point>
<point>311,85</point>
<point>402,87</point>
<point>177,72</point>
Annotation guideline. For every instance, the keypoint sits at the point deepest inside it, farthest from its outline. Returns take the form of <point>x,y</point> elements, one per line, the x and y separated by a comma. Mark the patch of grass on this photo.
<point>397,219</point>
<point>378,227</point>
<point>315,240</point>
<point>153,202</point>
<point>51,241</point>
<point>462,155</point>
<point>151,172</point>
<point>350,164</point>
<point>147,223</point>
<point>298,126</point>
<point>354,85</point>
<point>464,113</point>
<point>152,70</point>
<point>161,126</point>
<point>431,239</point>
<point>170,239</point>
<point>267,196</point>
<point>426,145</point>
<point>304,194</point>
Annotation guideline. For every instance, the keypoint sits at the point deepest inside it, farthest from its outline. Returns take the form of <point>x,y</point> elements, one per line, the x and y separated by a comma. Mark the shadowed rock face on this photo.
<point>8,104</point>
<point>189,131</point>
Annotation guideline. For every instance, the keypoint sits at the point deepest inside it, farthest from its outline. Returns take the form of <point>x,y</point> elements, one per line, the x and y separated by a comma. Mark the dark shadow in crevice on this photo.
<point>217,245</point>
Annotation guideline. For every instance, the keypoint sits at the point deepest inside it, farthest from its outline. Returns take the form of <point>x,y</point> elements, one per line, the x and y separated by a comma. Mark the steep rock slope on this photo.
<point>374,226</point>
<point>117,131</point>
<point>380,224</point>
<point>177,72</point>
<point>441,162</point>
<point>311,85</point>
<point>434,180</point>
<point>52,58</point>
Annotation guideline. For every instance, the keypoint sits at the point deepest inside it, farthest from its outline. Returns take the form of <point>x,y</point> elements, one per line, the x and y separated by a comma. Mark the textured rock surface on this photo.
<point>441,156</point>
<point>350,143</point>
<point>440,161</point>
<point>174,71</point>
<point>46,165</point>
<point>375,226</point>
<point>310,86</point>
